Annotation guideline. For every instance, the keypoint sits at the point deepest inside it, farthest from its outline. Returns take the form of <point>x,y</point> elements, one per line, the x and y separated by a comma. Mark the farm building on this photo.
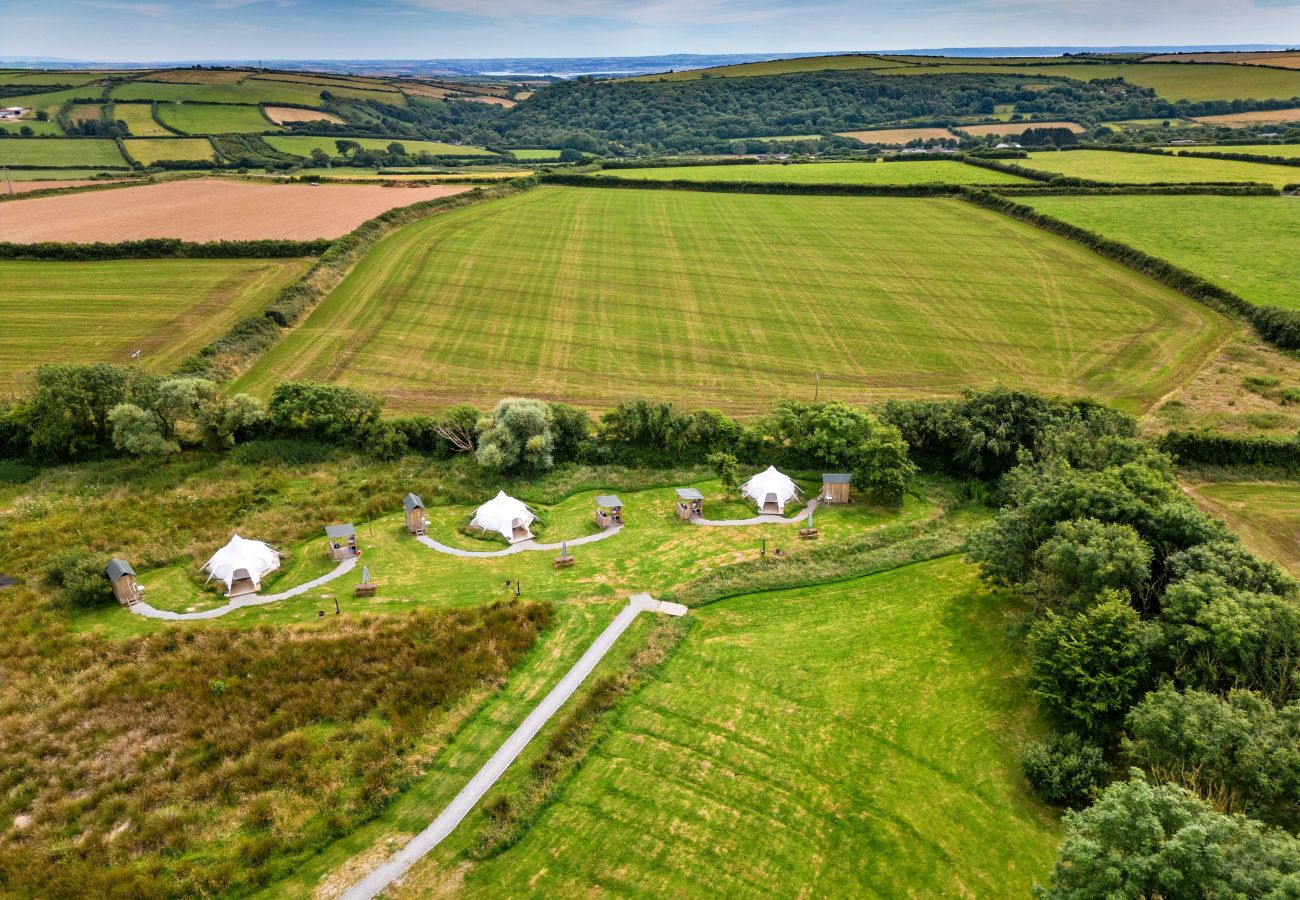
<point>690,503</point>
<point>835,488</point>
<point>609,511</point>
<point>12,112</point>
<point>506,516</point>
<point>122,577</point>
<point>342,541</point>
<point>771,490</point>
<point>241,564</point>
<point>416,521</point>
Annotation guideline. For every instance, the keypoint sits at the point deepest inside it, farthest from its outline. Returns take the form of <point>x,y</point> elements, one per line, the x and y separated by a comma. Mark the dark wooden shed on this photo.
<point>416,520</point>
<point>122,577</point>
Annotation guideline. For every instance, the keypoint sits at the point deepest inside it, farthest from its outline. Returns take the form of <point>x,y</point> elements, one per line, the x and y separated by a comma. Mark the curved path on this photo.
<point>521,547</point>
<point>763,519</point>
<point>144,609</point>
<point>460,806</point>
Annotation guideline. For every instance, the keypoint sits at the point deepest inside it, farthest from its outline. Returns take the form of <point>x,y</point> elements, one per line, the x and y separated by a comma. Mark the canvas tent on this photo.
<point>241,565</point>
<point>770,489</point>
<point>506,516</point>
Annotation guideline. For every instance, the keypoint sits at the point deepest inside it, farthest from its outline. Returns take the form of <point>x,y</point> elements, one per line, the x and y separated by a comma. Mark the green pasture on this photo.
<point>780,67</point>
<point>86,112</point>
<point>1287,151</point>
<point>535,155</point>
<point>61,152</point>
<point>48,127</point>
<point>1264,513</point>
<point>168,308</point>
<point>250,91</point>
<point>303,145</point>
<point>150,150</point>
<point>1150,168</point>
<point>912,172</point>
<point>1245,244</point>
<point>45,77</point>
<point>656,552</point>
<point>734,301</point>
<point>52,101</point>
<point>848,740</point>
<point>139,119</point>
<point>54,174</point>
<point>190,118</point>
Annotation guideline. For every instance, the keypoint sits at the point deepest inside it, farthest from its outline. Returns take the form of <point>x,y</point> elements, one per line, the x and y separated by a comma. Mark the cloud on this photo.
<point>654,12</point>
<point>240,4</point>
<point>141,9</point>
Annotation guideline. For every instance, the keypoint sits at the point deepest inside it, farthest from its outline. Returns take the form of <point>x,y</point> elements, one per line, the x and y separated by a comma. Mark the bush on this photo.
<point>281,451</point>
<point>79,578</point>
<point>1064,769</point>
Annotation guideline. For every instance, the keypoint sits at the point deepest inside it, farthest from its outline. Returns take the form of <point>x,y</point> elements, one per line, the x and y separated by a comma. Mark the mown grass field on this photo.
<point>911,172</point>
<point>851,740</point>
<point>303,145</point>
<point>249,91</point>
<point>734,301</point>
<point>536,155</point>
<point>1287,151</point>
<point>52,174</point>
<point>1265,513</point>
<point>150,150</point>
<point>48,127</point>
<point>106,310</point>
<point>1245,244</point>
<point>139,119</point>
<point>51,101</point>
<point>190,118</point>
<point>1255,117</point>
<point>1150,168</point>
<point>61,152</point>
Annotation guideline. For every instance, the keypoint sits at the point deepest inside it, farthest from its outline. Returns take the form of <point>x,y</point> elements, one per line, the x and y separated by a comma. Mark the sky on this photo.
<point>149,30</point>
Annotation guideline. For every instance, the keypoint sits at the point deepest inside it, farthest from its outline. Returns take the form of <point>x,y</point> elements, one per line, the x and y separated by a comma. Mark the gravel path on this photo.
<point>494,768</point>
<point>762,519</point>
<point>144,609</point>
<point>521,547</point>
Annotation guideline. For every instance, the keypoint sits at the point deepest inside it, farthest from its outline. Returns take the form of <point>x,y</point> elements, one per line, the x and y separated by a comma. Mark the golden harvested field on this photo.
<point>1285,59</point>
<point>207,210</point>
<point>86,112</point>
<point>1018,128</point>
<point>897,136</point>
<point>1253,118</point>
<point>282,115</point>
<point>499,101</point>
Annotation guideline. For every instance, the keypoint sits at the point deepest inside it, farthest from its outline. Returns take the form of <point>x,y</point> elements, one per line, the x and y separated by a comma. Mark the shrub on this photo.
<point>1064,769</point>
<point>281,451</point>
<point>79,578</point>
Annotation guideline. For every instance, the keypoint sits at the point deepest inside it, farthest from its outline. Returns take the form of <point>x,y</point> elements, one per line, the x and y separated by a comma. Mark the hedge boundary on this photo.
<point>933,189</point>
<point>163,248</point>
<point>1280,327</point>
<point>1213,448</point>
<point>250,337</point>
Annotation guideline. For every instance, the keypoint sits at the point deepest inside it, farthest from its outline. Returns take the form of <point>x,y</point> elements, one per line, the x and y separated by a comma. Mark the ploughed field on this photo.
<point>106,310</point>
<point>1152,168</point>
<point>1248,245</point>
<point>729,300</point>
<point>801,741</point>
<point>911,172</point>
<point>207,210</point>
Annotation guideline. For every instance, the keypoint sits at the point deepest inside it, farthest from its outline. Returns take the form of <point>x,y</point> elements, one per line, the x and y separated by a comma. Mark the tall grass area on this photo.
<point>199,763</point>
<point>1244,244</point>
<point>599,295</point>
<point>852,740</point>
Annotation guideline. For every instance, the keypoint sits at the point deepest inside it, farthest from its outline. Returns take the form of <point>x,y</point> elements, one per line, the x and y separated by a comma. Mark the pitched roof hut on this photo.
<point>416,521</point>
<point>241,564</point>
<point>342,541</point>
<point>609,511</point>
<point>835,488</point>
<point>771,490</point>
<point>122,577</point>
<point>690,503</point>
<point>506,516</point>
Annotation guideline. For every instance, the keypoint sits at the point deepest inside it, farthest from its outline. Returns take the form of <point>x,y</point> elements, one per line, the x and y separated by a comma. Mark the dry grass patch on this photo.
<point>1264,513</point>
<point>1017,128</point>
<point>1267,116</point>
<point>898,136</point>
<point>282,115</point>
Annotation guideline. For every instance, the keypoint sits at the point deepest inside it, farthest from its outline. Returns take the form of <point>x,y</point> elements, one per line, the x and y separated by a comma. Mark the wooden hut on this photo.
<point>609,511</point>
<point>690,503</point>
<point>835,488</point>
<point>122,577</point>
<point>342,541</point>
<point>416,521</point>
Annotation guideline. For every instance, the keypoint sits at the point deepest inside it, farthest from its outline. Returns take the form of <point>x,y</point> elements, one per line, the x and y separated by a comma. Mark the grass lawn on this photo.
<point>61,152</point>
<point>734,301</point>
<point>1265,513</point>
<point>303,145</point>
<point>139,119</point>
<point>212,119</point>
<point>150,150</point>
<point>1150,168</point>
<point>168,308</point>
<point>911,172</point>
<point>54,174</point>
<point>855,740</point>
<point>1244,244</point>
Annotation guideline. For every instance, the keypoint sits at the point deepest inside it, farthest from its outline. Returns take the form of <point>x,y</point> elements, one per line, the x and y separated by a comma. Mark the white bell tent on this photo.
<point>770,489</point>
<point>242,562</point>
<point>506,516</point>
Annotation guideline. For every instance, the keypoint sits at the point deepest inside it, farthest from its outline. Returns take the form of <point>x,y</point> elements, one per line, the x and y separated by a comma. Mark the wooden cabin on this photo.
<point>416,520</point>
<point>690,504</point>
<point>122,577</point>
<point>835,488</point>
<point>342,541</point>
<point>609,511</point>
